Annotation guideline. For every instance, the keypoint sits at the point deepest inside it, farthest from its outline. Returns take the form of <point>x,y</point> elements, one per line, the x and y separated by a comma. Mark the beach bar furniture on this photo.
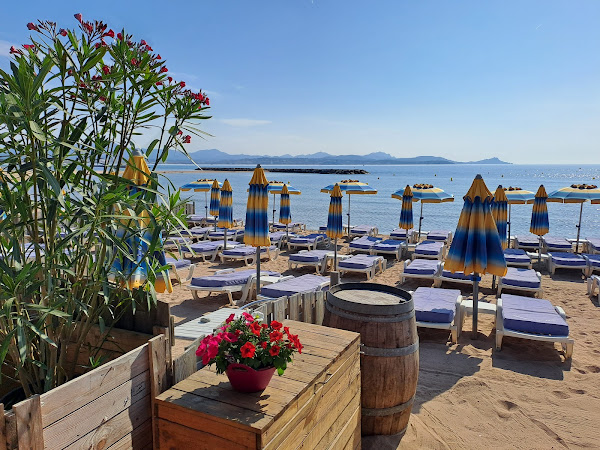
<point>247,253</point>
<point>364,230</point>
<point>293,227</point>
<point>424,269</point>
<point>402,234</point>
<point>440,235</point>
<point>206,249</point>
<point>389,247</point>
<point>517,257</point>
<point>439,309</point>
<point>563,260</point>
<point>384,317</point>
<point>557,244</point>
<point>367,264</point>
<point>363,244</point>
<point>319,259</point>
<point>316,402</point>
<point>527,242</point>
<point>178,264</point>
<point>430,250</point>
<point>279,237</point>
<point>593,263</point>
<point>534,319</point>
<point>520,279</point>
<point>232,235</point>
<point>456,277</point>
<point>310,241</point>
<point>295,285</point>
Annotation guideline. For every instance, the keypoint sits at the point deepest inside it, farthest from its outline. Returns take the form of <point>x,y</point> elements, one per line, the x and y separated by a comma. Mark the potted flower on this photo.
<point>249,352</point>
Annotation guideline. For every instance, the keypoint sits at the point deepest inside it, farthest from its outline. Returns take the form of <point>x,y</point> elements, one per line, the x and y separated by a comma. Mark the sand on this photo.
<point>471,396</point>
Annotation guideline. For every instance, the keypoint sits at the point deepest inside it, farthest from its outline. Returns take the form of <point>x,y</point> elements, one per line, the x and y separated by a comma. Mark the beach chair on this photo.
<point>192,234</point>
<point>239,222</point>
<point>278,238</point>
<point>178,264</point>
<point>439,309</point>
<point>517,257</point>
<point>367,264</point>
<point>363,230</point>
<point>593,263</point>
<point>400,233</point>
<point>388,247</point>
<point>292,227</point>
<point>200,232</point>
<point>527,242</point>
<point>229,281</point>
<point>519,279</point>
<point>319,259</point>
<point>593,245</point>
<point>195,219</point>
<point>363,244</point>
<point>534,319</point>
<point>247,253</point>
<point>593,284</point>
<point>309,241</point>
<point>564,260</point>
<point>457,277</point>
<point>425,269</point>
<point>206,249</point>
<point>172,242</point>
<point>233,234</point>
<point>430,250</point>
<point>297,285</point>
<point>440,235</point>
<point>556,244</point>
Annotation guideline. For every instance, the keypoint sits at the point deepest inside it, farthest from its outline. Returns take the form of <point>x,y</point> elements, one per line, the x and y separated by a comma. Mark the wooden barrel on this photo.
<point>385,318</point>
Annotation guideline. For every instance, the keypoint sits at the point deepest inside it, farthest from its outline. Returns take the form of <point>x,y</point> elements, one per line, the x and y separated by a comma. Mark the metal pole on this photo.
<point>287,234</point>
<point>508,223</point>
<point>274,209</point>
<point>335,255</point>
<point>579,228</point>
<point>420,220</point>
<point>475,303</point>
<point>205,205</point>
<point>257,271</point>
<point>540,249</point>
<point>348,215</point>
<point>225,240</point>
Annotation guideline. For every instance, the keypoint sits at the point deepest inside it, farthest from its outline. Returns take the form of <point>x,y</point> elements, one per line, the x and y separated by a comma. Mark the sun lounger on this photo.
<point>517,257</point>
<point>172,242</point>
<point>363,244</point>
<point>200,232</point>
<point>400,233</point>
<point>532,318</point>
<point>457,277</point>
<point>294,226</point>
<point>425,269</point>
<point>178,264</point>
<point>279,237</point>
<point>232,234</point>
<point>439,309</point>
<point>521,280</point>
<point>593,284</point>
<point>555,244</point>
<point>593,263</point>
<point>527,242</point>
<point>363,230</point>
<point>310,241</point>
<point>229,281</point>
<point>593,245</point>
<point>297,285</point>
<point>440,235</point>
<point>564,260</point>
<point>319,259</point>
<point>388,247</point>
<point>206,249</point>
<point>247,253</point>
<point>196,219</point>
<point>430,250</point>
<point>367,264</point>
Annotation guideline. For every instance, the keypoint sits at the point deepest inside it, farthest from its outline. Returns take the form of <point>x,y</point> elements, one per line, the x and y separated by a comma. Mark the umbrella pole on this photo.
<point>287,233</point>
<point>579,228</point>
<point>508,223</point>
<point>348,215</point>
<point>420,220</point>
<point>475,303</point>
<point>206,205</point>
<point>274,209</point>
<point>540,249</point>
<point>257,271</point>
<point>225,240</point>
<point>335,255</point>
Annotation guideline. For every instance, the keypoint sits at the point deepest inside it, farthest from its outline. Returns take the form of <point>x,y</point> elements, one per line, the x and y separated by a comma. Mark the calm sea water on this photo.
<point>311,206</point>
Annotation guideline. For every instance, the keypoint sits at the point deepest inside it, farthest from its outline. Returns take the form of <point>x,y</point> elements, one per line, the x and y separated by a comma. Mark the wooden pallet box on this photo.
<point>315,404</point>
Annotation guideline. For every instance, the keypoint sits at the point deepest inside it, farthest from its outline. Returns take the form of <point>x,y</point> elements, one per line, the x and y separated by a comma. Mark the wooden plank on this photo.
<point>117,427</point>
<point>349,437</point>
<point>89,417</point>
<point>326,430</point>
<point>308,301</point>
<point>158,365</point>
<point>140,438</point>
<point>176,436</point>
<point>2,428</point>
<point>186,363</point>
<point>71,396</point>
<point>319,308</point>
<point>28,414</point>
<point>279,310</point>
<point>11,430</point>
<point>294,303</point>
<point>326,331</point>
<point>115,339</point>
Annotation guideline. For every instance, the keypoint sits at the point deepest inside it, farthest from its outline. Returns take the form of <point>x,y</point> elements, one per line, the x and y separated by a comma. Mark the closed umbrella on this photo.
<point>215,200</point>
<point>226,210</point>
<point>476,247</point>
<point>500,214</point>
<point>276,188</point>
<point>334,220</point>
<point>406,213</point>
<point>202,185</point>
<point>539,217</point>
<point>577,193</point>
<point>425,193</point>
<point>285,215</point>
<point>516,196</point>
<point>351,187</point>
<point>256,232</point>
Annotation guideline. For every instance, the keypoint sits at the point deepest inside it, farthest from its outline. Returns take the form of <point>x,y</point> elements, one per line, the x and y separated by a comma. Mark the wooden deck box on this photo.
<point>315,404</point>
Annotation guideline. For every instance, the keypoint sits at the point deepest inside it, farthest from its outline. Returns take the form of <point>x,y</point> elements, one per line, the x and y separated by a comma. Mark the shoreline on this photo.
<point>291,170</point>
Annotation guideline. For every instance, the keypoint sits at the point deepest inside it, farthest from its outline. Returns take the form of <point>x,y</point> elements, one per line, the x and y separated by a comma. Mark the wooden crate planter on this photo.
<point>315,404</point>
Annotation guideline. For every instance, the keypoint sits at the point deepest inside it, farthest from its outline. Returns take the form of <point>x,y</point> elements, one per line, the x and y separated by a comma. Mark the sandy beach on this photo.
<point>469,395</point>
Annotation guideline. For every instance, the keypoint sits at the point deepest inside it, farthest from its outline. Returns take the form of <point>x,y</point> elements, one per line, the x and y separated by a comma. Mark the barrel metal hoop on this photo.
<point>379,412</point>
<point>362,318</point>
<point>400,308</point>
<point>389,352</point>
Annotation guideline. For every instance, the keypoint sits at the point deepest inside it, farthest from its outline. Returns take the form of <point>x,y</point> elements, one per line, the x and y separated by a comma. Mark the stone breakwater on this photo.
<point>321,171</point>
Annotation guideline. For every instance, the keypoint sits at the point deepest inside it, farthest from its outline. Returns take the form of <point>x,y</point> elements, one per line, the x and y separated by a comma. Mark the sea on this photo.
<point>383,211</point>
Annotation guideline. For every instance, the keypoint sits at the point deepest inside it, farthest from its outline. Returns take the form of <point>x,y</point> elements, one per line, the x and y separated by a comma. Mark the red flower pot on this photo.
<point>246,379</point>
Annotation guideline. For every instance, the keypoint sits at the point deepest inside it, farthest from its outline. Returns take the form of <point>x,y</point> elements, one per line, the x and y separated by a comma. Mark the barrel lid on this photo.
<point>370,298</point>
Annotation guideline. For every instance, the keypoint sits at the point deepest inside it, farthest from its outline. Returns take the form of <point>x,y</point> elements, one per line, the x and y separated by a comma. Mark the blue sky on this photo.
<point>461,79</point>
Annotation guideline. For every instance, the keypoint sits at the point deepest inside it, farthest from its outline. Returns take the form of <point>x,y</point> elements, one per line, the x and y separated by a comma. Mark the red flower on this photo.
<point>276,325</point>
<point>187,139</point>
<point>102,99</point>
<point>32,26</point>
<point>62,32</point>
<point>70,72</point>
<point>230,337</point>
<point>264,326</point>
<point>182,84</point>
<point>88,27</point>
<point>180,133</point>
<point>79,17</point>
<point>248,350</point>
<point>28,46</point>
<point>119,36</point>
<point>158,56</point>
<point>275,336</point>
<point>109,33</point>
<point>98,45</point>
<point>15,51</point>
<point>263,344</point>
<point>296,342</point>
<point>248,317</point>
<point>231,318</point>
<point>164,69</point>
<point>286,330</point>
<point>143,42</point>
<point>207,101</point>
<point>274,351</point>
<point>149,49</point>
<point>134,61</point>
<point>254,326</point>
<point>105,70</point>
<point>170,79</point>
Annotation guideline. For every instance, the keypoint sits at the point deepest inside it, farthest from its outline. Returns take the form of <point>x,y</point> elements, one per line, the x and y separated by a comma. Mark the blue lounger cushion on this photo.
<point>201,230</point>
<point>456,275</point>
<point>422,267</point>
<point>308,239</point>
<point>435,305</point>
<point>178,263</point>
<point>594,243</point>
<point>195,218</point>
<point>230,233</point>
<point>243,250</point>
<point>593,260</point>
<point>362,229</point>
<point>437,235</point>
<point>400,233</point>
<point>280,226</point>
<point>364,242</point>
<point>568,259</point>
<point>276,236</point>
<point>228,279</point>
<point>359,262</point>
<point>304,283</point>
<point>206,246</point>
<point>389,245</point>
<point>557,243</point>
<point>429,248</point>
<point>516,256</point>
<point>530,240</point>
<point>312,256</point>
<point>532,315</point>
<point>526,278</point>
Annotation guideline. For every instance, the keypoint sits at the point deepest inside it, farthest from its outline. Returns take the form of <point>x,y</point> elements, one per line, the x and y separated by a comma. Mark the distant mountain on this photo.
<point>214,156</point>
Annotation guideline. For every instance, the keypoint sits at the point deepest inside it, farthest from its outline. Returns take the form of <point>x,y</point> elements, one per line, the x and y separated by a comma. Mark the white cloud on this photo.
<point>5,48</point>
<point>245,122</point>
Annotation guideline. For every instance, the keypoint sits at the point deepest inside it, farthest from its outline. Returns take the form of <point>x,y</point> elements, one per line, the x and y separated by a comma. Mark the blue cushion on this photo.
<point>456,275</point>
<point>516,256</point>
<point>309,238</point>
<point>206,246</point>
<point>532,315</point>
<point>399,233</point>
<point>311,256</point>
<point>422,267</point>
<point>305,283</point>
<point>364,242</point>
<point>359,262</point>
<point>594,243</point>
<point>389,245</point>
<point>568,259</point>
<point>429,248</point>
<point>526,278</point>
<point>437,235</point>
<point>435,305</point>
<point>557,243</point>
<point>178,263</point>
<point>593,260</point>
<point>228,279</point>
<point>529,240</point>
<point>362,229</point>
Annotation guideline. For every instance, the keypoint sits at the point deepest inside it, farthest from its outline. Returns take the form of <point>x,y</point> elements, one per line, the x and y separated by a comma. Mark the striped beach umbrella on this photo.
<point>226,210</point>
<point>500,213</point>
<point>539,217</point>
<point>516,196</point>
<point>215,200</point>
<point>256,232</point>
<point>425,193</point>
<point>577,193</point>
<point>406,213</point>
<point>351,187</point>
<point>276,188</point>
<point>476,247</point>
<point>285,215</point>
<point>201,185</point>
<point>334,220</point>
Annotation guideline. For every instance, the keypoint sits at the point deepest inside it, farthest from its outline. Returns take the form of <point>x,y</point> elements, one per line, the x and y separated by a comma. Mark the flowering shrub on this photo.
<point>246,341</point>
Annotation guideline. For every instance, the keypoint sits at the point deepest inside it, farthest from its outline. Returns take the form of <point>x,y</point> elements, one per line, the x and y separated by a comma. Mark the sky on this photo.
<point>465,80</point>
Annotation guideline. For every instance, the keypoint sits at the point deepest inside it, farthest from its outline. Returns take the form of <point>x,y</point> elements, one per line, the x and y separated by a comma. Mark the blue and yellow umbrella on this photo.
<point>256,232</point>
<point>285,215</point>
<point>540,224</point>
<point>201,185</point>
<point>406,213</point>
<point>577,193</point>
<point>476,247</point>
<point>351,187</point>
<point>276,188</point>
<point>226,210</point>
<point>500,214</point>
<point>516,196</point>
<point>334,220</point>
<point>215,200</point>
<point>425,193</point>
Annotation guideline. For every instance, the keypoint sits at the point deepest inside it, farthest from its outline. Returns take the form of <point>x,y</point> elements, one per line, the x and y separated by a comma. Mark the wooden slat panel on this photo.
<point>176,436</point>
<point>307,307</point>
<point>326,430</point>
<point>279,309</point>
<point>139,439</point>
<point>2,428</point>
<point>158,365</point>
<point>294,303</point>
<point>349,437</point>
<point>10,422</point>
<point>186,363</point>
<point>28,414</point>
<point>320,308</point>
<point>115,339</point>
<point>69,397</point>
